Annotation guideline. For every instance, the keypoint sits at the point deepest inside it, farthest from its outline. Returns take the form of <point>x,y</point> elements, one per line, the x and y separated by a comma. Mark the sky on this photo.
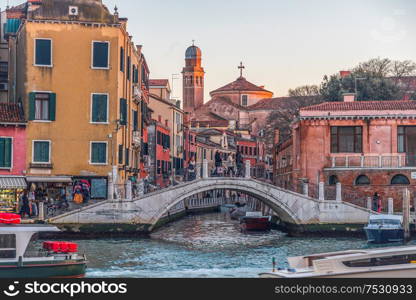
<point>282,43</point>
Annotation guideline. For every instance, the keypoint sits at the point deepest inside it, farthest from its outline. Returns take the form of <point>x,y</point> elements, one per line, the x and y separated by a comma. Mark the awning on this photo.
<point>49,179</point>
<point>12,183</point>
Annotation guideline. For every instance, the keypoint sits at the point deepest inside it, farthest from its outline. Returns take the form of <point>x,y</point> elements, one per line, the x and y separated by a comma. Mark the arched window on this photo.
<point>333,180</point>
<point>362,180</point>
<point>400,180</point>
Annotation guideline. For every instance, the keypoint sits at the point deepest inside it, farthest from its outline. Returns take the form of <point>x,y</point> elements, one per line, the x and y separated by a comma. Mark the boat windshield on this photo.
<point>7,245</point>
<point>381,261</point>
<point>385,222</point>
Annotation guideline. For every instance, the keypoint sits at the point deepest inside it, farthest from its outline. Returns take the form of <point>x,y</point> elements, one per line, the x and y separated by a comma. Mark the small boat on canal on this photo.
<point>384,229</point>
<point>255,221</point>
<point>393,262</point>
<point>19,257</point>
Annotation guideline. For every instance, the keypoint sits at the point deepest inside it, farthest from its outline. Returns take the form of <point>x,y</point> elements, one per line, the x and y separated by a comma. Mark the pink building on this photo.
<point>12,155</point>
<point>367,146</point>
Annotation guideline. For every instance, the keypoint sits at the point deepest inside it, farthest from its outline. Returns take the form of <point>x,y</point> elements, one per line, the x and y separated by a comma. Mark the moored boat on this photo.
<point>384,229</point>
<point>19,258</point>
<point>393,262</point>
<point>255,221</point>
<point>227,208</point>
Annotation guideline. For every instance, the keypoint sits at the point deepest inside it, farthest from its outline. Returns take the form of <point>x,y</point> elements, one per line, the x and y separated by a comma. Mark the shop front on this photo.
<point>98,186</point>
<point>11,187</point>
<point>50,189</point>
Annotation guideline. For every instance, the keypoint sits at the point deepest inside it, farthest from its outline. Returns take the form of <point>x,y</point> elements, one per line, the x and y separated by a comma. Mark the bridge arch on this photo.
<point>144,214</point>
<point>278,202</point>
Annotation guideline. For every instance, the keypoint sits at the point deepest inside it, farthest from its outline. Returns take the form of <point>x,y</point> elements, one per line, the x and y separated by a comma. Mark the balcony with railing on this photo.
<point>371,161</point>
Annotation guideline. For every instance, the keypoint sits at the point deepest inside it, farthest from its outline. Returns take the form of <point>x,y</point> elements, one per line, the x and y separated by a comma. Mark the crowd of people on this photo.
<point>225,165</point>
<point>30,199</point>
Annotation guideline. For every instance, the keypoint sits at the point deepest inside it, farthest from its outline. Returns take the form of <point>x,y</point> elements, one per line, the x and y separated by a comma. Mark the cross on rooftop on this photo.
<point>241,67</point>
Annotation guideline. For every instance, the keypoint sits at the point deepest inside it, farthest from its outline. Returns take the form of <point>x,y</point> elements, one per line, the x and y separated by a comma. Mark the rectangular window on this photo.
<point>244,100</point>
<point>120,154</point>
<point>158,167</point>
<point>127,159</point>
<point>98,153</point>
<point>406,138</point>
<point>100,55</point>
<point>99,108</point>
<point>42,106</point>
<point>41,152</point>
<point>346,139</point>
<point>128,67</point>
<point>6,152</point>
<point>135,120</point>
<point>7,246</point>
<point>159,138</point>
<point>121,59</point>
<point>4,71</point>
<point>123,111</point>
<point>43,52</point>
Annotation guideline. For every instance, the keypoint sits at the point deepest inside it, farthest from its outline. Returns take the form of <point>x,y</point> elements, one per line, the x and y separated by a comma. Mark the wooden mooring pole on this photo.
<point>406,214</point>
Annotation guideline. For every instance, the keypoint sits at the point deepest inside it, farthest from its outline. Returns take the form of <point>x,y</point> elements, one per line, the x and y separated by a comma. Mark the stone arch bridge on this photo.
<point>145,214</point>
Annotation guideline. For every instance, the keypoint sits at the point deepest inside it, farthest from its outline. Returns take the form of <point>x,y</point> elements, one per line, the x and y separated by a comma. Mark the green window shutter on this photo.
<point>99,153</point>
<point>123,111</point>
<point>43,52</point>
<point>8,152</point>
<point>32,97</point>
<point>99,109</point>
<point>120,154</point>
<point>52,107</point>
<point>2,153</point>
<point>100,55</point>
<point>122,59</point>
<point>127,156</point>
<point>128,67</point>
<point>135,120</point>
<point>41,152</point>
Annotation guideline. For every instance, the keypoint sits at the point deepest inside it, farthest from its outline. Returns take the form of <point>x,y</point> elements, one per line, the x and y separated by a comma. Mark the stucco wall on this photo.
<point>19,149</point>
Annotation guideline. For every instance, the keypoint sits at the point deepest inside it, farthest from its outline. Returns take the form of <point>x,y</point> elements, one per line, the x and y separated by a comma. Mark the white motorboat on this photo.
<point>384,229</point>
<point>394,262</point>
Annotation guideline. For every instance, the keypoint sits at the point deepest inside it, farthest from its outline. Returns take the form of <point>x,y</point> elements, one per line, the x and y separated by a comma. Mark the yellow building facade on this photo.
<point>81,82</point>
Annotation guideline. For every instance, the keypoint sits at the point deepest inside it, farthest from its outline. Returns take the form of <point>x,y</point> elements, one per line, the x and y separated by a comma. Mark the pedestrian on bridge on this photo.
<point>191,169</point>
<point>239,162</point>
<point>218,162</point>
<point>230,165</point>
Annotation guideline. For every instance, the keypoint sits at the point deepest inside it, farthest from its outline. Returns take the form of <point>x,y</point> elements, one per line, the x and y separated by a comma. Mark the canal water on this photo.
<point>201,246</point>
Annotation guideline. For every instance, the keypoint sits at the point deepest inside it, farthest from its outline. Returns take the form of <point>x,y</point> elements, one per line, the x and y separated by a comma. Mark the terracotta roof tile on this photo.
<point>277,103</point>
<point>158,82</point>
<point>11,113</point>
<point>363,105</point>
<point>241,84</point>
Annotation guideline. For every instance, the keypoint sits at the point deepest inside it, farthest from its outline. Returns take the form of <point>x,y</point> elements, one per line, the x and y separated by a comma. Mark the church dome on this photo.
<point>193,52</point>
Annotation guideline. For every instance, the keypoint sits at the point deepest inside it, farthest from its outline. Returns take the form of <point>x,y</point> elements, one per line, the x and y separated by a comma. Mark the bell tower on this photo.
<point>193,80</point>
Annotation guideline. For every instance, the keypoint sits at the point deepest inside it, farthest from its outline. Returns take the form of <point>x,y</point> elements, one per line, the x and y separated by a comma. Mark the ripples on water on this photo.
<point>202,246</point>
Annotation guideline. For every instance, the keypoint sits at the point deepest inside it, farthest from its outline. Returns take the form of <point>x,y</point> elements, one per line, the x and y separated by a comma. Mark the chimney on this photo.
<point>276,136</point>
<point>349,97</point>
<point>344,74</point>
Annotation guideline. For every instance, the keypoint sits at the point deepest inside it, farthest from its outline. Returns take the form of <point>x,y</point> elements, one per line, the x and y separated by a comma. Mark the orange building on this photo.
<point>367,146</point>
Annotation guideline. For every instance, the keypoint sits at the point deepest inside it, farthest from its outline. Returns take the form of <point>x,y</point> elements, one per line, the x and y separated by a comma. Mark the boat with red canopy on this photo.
<point>19,257</point>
